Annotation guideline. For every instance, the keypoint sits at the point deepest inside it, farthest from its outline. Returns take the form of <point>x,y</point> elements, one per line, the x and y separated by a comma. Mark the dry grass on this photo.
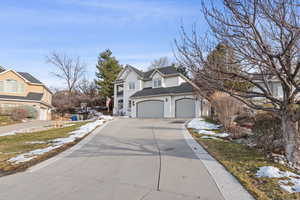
<point>7,120</point>
<point>12,145</point>
<point>243,162</point>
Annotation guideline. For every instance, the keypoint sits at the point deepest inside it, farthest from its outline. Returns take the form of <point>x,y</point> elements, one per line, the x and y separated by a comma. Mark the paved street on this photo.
<point>121,161</point>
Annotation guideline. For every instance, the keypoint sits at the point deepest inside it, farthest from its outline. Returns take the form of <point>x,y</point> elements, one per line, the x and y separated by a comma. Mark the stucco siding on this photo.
<point>171,81</point>
<point>131,77</point>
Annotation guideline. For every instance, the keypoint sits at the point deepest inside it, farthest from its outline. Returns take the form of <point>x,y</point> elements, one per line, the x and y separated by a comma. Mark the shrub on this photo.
<point>238,132</point>
<point>267,132</point>
<point>226,108</point>
<point>19,114</point>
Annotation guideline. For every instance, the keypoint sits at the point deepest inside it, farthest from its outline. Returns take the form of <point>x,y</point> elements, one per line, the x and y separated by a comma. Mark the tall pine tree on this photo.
<point>108,69</point>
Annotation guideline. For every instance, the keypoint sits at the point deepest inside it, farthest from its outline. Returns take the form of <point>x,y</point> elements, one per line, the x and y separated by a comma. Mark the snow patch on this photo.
<point>210,137</point>
<point>205,132</point>
<point>292,182</point>
<point>106,117</point>
<point>205,128</point>
<point>56,143</point>
<point>222,135</point>
<point>200,124</point>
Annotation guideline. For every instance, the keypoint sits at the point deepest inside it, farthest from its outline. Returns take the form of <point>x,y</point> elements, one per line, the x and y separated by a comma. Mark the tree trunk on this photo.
<point>291,138</point>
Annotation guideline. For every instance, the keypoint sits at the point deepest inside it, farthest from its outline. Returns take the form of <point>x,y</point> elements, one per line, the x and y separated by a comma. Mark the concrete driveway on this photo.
<point>129,159</point>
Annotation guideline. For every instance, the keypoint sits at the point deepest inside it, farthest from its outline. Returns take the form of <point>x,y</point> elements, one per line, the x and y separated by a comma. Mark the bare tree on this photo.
<point>160,62</point>
<point>68,69</point>
<point>87,87</point>
<point>264,36</point>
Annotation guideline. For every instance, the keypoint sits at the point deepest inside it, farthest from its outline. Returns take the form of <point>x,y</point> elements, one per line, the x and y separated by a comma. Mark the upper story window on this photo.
<point>131,85</point>
<point>157,83</point>
<point>12,86</point>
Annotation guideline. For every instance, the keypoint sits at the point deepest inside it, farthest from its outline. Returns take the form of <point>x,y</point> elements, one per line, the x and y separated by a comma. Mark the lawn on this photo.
<point>243,162</point>
<point>7,120</point>
<point>13,145</point>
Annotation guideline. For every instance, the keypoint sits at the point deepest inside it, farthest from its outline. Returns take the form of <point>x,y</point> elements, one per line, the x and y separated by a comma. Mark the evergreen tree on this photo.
<point>108,69</point>
<point>182,69</point>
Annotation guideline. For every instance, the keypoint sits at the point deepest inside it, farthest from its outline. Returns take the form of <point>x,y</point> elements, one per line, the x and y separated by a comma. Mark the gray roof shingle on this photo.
<point>164,70</point>
<point>32,96</point>
<point>183,88</point>
<point>29,77</point>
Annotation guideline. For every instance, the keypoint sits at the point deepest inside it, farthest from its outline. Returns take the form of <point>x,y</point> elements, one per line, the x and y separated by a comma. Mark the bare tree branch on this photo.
<point>70,70</point>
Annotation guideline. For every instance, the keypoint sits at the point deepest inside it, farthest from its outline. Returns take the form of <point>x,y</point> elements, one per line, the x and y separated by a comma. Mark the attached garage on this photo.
<point>185,108</point>
<point>43,114</point>
<point>150,109</point>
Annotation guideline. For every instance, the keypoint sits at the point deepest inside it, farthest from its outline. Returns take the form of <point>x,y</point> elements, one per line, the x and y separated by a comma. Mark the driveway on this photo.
<point>25,125</point>
<point>129,159</point>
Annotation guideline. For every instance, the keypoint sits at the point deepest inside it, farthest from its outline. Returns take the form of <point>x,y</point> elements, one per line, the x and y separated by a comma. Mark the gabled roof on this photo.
<point>183,88</point>
<point>29,77</point>
<point>25,75</point>
<point>2,69</point>
<point>165,71</point>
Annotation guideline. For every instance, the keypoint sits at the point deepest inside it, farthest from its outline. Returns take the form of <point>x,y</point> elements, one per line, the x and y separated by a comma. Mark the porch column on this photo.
<point>115,109</point>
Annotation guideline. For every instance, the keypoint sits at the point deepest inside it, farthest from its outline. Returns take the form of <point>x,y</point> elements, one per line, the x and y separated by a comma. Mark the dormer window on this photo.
<point>157,83</point>
<point>131,85</point>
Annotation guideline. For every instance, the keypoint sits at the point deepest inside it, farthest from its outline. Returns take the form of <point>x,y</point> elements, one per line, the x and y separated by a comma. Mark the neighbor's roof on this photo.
<point>31,96</point>
<point>183,88</point>
<point>29,77</point>
<point>2,69</point>
<point>25,75</point>
<point>170,70</point>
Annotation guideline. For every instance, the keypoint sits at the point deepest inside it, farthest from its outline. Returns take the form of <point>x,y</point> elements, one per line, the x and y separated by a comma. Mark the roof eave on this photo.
<point>160,95</point>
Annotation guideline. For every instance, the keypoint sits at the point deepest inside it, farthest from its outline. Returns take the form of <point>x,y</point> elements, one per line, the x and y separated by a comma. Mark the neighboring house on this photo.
<point>21,88</point>
<point>158,93</point>
<point>273,83</point>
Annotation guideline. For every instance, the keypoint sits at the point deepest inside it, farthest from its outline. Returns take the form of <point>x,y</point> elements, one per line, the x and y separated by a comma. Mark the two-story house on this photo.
<point>21,88</point>
<point>158,93</point>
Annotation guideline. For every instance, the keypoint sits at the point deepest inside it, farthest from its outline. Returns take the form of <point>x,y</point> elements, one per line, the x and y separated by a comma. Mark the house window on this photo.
<point>1,86</point>
<point>11,86</point>
<point>131,85</point>
<point>156,83</point>
<point>21,88</point>
<point>279,91</point>
<point>129,105</point>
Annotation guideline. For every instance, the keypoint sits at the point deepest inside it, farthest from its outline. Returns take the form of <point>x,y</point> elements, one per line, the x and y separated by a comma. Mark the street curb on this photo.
<point>228,185</point>
<point>67,152</point>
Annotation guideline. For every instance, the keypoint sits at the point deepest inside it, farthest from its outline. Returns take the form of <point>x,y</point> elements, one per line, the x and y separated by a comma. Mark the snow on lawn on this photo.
<point>200,124</point>
<point>292,182</point>
<point>206,128</point>
<point>210,137</point>
<point>56,143</point>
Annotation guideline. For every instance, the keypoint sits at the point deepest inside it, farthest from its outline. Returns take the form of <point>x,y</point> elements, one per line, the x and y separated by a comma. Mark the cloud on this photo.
<point>91,12</point>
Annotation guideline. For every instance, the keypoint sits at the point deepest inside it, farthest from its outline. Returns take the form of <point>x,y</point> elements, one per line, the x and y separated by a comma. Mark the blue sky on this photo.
<point>137,31</point>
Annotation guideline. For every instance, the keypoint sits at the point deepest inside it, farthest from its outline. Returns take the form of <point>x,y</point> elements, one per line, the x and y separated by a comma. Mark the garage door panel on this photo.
<point>185,108</point>
<point>150,109</point>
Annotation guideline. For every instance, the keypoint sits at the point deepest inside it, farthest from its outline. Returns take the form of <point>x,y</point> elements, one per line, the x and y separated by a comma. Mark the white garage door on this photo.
<point>43,114</point>
<point>150,109</point>
<point>185,108</point>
